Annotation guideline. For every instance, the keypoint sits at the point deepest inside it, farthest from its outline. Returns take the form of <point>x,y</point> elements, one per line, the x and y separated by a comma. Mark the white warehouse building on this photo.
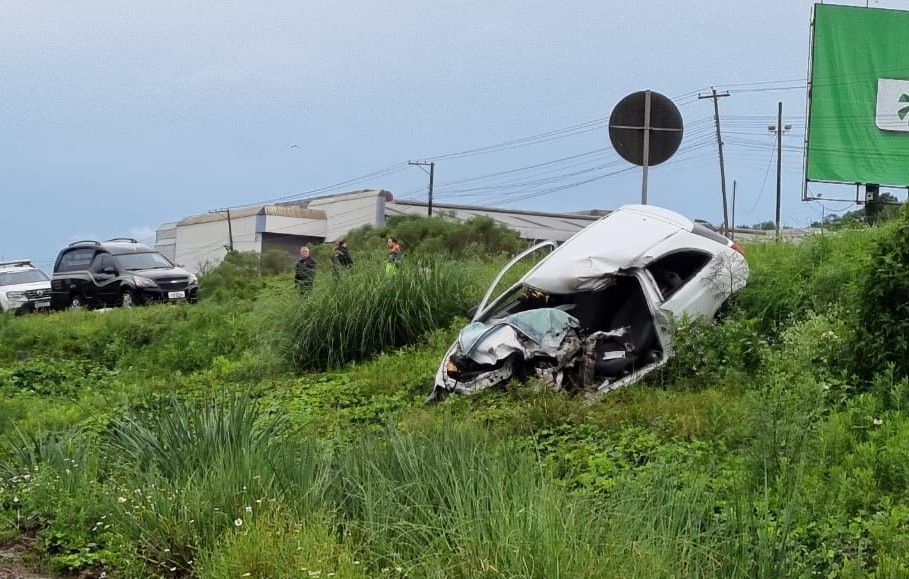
<point>200,241</point>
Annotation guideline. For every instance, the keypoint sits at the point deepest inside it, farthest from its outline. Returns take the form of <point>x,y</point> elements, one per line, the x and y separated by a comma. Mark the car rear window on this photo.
<point>24,276</point>
<point>709,234</point>
<point>75,260</point>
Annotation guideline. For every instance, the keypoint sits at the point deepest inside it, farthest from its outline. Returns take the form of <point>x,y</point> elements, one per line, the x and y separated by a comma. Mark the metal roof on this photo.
<point>521,212</point>
<point>297,211</point>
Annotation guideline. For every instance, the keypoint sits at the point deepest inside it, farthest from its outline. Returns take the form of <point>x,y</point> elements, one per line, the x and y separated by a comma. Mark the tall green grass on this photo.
<point>368,310</point>
<point>453,503</point>
<point>450,502</point>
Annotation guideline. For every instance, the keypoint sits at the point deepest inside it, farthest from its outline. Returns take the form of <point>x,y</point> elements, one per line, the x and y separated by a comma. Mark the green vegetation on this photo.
<point>438,236</point>
<point>886,207</point>
<point>264,433</point>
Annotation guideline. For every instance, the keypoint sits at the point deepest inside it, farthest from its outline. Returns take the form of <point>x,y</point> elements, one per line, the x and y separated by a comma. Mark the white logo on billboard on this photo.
<point>892,105</point>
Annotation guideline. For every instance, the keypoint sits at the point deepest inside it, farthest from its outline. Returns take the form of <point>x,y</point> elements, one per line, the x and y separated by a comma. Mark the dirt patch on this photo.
<point>11,566</point>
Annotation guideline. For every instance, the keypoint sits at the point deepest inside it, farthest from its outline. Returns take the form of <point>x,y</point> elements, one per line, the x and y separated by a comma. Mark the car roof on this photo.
<point>616,242</point>
<point>116,246</point>
<point>119,248</point>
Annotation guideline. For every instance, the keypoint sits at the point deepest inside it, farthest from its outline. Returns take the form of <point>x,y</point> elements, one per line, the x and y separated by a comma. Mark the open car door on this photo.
<point>484,303</point>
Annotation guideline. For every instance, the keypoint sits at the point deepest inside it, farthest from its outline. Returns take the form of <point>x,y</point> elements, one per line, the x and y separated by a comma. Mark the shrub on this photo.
<point>708,354</point>
<point>237,276</point>
<point>883,313</point>
<point>789,280</point>
<point>477,236</point>
<point>275,262</point>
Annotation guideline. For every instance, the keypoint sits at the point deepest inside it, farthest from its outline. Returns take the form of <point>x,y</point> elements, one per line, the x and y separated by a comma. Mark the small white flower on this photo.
<point>356,562</point>
<point>247,574</point>
<point>877,421</point>
<point>248,509</point>
<point>172,569</point>
<point>238,522</point>
<point>121,500</point>
<point>167,550</point>
<point>15,499</point>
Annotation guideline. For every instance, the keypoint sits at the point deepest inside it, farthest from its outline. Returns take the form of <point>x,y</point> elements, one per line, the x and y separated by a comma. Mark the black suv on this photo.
<point>117,272</point>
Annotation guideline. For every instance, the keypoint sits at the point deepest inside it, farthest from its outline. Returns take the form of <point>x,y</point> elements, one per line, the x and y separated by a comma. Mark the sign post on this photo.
<point>645,129</point>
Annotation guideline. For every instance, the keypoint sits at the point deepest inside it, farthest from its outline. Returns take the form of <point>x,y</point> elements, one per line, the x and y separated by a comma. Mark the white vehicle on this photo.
<point>23,287</point>
<point>594,315</point>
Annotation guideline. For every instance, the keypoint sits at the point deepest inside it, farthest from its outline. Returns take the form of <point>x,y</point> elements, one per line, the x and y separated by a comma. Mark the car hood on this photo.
<point>543,330</point>
<point>619,241</point>
<point>22,287</point>
<point>169,273</point>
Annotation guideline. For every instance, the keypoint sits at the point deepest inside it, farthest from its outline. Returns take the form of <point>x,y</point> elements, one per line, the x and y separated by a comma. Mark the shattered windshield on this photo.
<point>545,326</point>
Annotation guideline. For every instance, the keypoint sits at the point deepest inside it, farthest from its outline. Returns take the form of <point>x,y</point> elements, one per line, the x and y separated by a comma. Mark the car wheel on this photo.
<point>76,303</point>
<point>128,299</point>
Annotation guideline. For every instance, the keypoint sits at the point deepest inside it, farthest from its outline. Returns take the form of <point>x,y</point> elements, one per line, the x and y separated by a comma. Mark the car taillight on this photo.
<point>738,248</point>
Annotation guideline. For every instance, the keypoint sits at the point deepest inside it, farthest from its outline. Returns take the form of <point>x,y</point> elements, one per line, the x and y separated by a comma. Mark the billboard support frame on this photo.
<point>808,85</point>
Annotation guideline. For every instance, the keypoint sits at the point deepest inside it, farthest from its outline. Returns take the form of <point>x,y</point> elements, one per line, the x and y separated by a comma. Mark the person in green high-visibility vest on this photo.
<point>394,255</point>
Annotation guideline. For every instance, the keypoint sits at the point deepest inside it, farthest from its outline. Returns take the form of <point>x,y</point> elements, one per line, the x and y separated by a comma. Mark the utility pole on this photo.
<point>432,173</point>
<point>230,230</point>
<point>779,129</point>
<point>732,226</point>
<point>719,143</point>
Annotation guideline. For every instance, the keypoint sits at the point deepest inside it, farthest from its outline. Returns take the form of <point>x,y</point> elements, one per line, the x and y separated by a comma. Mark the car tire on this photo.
<point>128,299</point>
<point>76,302</point>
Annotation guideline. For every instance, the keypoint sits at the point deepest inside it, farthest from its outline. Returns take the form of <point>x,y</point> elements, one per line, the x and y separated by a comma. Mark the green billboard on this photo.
<point>858,121</point>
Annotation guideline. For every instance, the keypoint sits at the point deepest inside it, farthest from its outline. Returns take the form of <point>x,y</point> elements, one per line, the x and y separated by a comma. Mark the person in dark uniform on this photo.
<point>341,256</point>
<point>305,270</point>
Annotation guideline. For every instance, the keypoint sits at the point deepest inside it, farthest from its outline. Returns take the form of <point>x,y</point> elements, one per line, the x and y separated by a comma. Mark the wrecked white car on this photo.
<point>593,315</point>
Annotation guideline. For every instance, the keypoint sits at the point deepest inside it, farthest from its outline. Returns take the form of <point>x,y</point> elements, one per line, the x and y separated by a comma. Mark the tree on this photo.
<point>885,208</point>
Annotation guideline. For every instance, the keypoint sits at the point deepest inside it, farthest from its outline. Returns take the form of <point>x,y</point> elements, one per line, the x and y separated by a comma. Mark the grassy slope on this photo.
<point>752,454</point>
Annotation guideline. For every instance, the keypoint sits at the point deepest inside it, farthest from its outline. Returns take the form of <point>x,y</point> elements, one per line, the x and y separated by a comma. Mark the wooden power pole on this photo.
<point>432,174</point>
<point>719,143</point>
<point>779,129</point>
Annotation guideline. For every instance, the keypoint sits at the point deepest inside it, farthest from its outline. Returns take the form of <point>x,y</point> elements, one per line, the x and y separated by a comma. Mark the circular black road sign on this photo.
<point>626,128</point>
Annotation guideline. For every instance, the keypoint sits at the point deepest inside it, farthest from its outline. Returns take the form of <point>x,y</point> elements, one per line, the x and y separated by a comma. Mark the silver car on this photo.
<point>594,314</point>
<point>23,287</point>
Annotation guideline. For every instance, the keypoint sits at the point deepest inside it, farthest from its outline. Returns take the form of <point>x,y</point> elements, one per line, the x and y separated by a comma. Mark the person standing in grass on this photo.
<point>394,255</point>
<point>305,270</point>
<point>341,258</point>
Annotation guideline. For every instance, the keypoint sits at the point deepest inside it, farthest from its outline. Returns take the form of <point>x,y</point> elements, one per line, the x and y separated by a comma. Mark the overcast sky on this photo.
<point>118,116</point>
